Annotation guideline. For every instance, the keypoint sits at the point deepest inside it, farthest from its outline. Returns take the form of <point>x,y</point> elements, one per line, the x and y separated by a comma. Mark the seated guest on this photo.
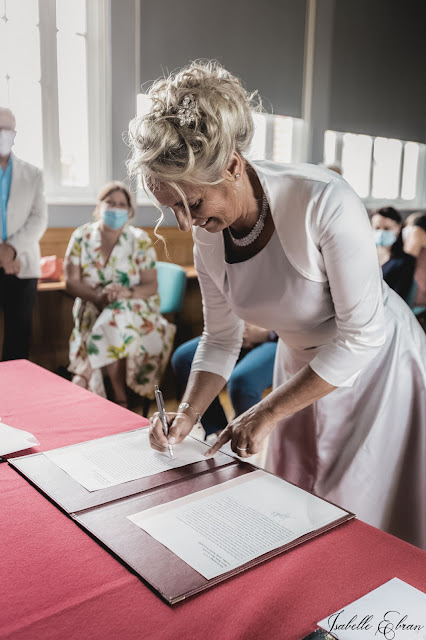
<point>414,234</point>
<point>397,266</point>
<point>251,376</point>
<point>110,269</point>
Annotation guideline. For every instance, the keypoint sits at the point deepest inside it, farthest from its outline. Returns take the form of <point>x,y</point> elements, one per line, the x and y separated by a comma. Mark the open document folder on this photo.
<point>188,527</point>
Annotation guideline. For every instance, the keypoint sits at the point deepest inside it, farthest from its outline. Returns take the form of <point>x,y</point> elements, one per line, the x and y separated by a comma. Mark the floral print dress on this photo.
<point>128,328</point>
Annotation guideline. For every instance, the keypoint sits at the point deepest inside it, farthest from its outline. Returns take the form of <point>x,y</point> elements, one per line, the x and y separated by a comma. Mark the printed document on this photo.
<point>395,611</point>
<point>223,527</point>
<point>112,460</point>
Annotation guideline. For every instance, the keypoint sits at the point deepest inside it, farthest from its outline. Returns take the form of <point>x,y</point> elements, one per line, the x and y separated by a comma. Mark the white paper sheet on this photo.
<point>12,439</point>
<point>112,460</point>
<point>221,528</point>
<point>393,611</point>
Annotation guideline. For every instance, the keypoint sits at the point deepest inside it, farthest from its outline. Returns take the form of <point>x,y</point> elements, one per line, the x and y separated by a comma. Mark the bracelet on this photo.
<point>185,405</point>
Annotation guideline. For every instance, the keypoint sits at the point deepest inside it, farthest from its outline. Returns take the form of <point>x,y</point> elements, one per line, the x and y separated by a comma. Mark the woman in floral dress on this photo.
<point>110,269</point>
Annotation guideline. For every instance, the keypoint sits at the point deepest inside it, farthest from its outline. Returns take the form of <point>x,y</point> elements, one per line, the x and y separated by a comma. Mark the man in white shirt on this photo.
<point>23,220</point>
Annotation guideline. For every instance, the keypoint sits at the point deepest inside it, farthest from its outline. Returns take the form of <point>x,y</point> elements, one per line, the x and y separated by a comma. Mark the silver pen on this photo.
<point>162,412</point>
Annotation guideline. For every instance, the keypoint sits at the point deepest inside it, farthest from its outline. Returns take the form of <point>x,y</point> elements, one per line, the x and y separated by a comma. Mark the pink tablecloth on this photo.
<point>58,583</point>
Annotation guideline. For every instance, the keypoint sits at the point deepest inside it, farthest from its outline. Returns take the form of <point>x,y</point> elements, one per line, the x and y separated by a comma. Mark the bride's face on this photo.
<point>212,207</point>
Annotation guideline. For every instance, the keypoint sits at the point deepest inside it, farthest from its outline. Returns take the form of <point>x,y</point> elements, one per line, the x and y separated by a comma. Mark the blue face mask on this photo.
<point>384,238</point>
<point>114,218</point>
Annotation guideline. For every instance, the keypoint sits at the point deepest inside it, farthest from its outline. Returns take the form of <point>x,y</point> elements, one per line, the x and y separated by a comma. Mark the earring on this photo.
<point>237,175</point>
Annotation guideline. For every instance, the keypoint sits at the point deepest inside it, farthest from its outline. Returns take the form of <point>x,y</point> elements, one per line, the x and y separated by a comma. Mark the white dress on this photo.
<point>351,447</point>
<point>318,284</point>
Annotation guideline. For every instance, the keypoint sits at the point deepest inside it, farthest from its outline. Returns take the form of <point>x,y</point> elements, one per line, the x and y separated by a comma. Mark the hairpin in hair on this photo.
<point>157,106</point>
<point>187,110</point>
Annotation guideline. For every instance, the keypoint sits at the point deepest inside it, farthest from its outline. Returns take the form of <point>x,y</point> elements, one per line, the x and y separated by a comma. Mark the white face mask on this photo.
<point>384,237</point>
<point>7,139</point>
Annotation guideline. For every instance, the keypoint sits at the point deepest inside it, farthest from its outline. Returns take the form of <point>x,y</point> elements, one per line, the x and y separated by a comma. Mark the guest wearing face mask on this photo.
<point>110,267</point>
<point>414,235</point>
<point>397,266</point>
<point>23,220</point>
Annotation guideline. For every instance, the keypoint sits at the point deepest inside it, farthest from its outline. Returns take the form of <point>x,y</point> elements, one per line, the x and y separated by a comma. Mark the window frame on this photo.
<point>370,202</point>
<point>98,89</point>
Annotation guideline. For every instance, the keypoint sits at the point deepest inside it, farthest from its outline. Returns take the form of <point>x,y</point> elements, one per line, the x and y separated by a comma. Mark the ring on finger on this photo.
<point>242,448</point>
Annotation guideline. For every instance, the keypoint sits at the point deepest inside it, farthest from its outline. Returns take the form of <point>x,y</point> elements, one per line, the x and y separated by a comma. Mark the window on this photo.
<point>20,74</point>
<point>411,163</point>
<point>379,169</point>
<point>52,66</point>
<point>276,138</point>
<point>356,154</point>
<point>71,44</point>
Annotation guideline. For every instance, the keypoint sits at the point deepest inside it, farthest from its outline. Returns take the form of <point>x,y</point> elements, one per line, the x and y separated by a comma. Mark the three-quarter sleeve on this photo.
<point>222,337</point>
<point>343,235</point>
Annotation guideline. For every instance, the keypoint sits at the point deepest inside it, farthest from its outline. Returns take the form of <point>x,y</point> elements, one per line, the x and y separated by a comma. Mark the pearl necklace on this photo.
<point>257,229</point>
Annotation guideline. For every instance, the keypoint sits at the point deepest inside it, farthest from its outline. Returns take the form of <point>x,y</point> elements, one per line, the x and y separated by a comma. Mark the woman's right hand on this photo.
<point>13,267</point>
<point>101,299</point>
<point>180,425</point>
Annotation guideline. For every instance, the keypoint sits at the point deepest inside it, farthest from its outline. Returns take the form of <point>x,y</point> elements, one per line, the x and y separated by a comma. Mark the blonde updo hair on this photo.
<point>166,150</point>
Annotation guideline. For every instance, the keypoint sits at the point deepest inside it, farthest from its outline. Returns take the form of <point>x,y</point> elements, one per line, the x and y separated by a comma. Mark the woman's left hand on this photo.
<point>246,432</point>
<point>115,291</point>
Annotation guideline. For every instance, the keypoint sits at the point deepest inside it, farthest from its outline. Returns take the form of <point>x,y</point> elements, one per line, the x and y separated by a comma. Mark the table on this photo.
<point>58,583</point>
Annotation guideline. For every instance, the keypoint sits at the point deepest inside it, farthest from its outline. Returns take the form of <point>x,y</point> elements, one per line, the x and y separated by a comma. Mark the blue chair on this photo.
<point>171,286</point>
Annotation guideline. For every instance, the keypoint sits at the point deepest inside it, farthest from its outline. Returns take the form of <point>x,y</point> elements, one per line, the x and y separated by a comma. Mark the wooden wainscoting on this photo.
<point>52,326</point>
<point>177,244</point>
<point>55,241</point>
